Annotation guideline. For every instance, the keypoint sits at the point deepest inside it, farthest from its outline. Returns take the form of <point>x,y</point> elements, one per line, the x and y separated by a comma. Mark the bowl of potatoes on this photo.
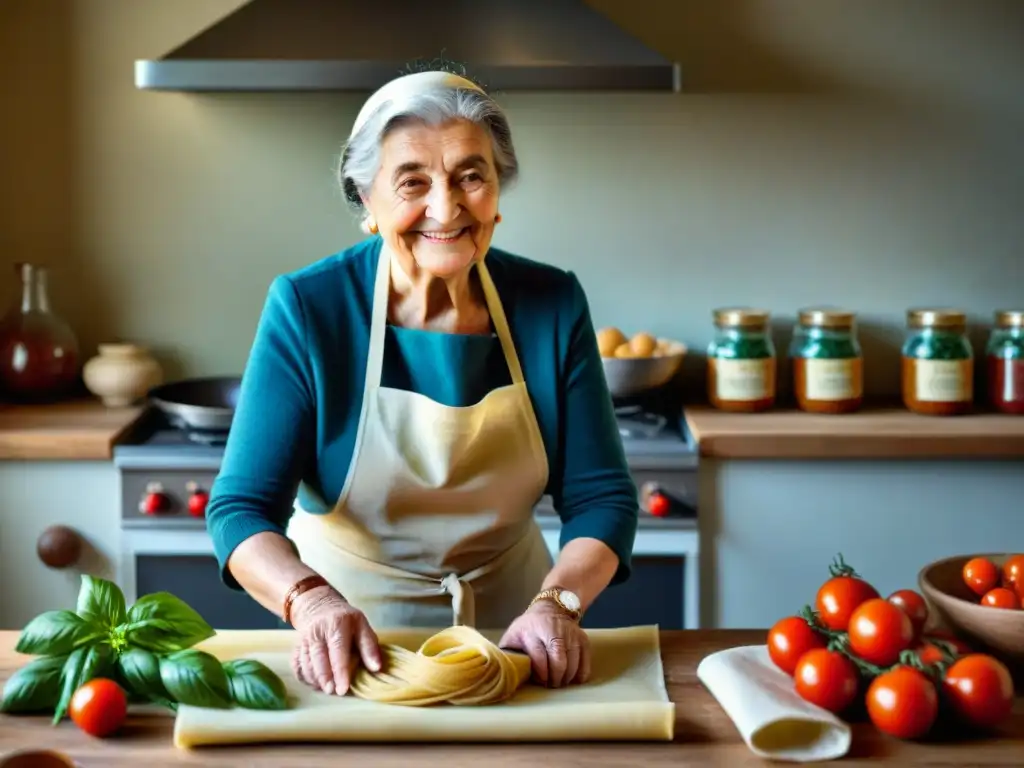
<point>636,364</point>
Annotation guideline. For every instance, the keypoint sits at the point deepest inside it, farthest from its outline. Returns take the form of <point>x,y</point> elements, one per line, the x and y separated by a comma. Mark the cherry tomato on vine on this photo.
<point>959,646</point>
<point>1001,597</point>
<point>914,605</point>
<point>827,679</point>
<point>1013,573</point>
<point>929,653</point>
<point>98,707</point>
<point>839,597</point>
<point>879,631</point>
<point>903,703</point>
<point>979,689</point>
<point>980,575</point>
<point>789,639</point>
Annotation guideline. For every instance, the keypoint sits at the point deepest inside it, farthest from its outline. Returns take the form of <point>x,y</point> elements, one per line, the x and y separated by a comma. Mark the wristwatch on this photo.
<point>563,598</point>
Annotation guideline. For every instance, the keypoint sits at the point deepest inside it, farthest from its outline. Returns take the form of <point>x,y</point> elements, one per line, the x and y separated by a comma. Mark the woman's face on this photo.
<point>435,196</point>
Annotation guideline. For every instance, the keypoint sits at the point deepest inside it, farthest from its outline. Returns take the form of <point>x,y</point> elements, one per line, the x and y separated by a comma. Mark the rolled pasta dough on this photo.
<point>624,700</point>
<point>456,666</point>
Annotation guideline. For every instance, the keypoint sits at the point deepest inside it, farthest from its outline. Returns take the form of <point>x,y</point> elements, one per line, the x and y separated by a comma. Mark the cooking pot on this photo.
<point>206,404</point>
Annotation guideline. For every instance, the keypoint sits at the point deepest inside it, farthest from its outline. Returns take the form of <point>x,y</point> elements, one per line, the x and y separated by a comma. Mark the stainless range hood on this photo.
<point>358,45</point>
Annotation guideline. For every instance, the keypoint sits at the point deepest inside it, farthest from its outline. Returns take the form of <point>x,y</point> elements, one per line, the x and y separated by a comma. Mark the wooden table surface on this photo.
<point>704,737</point>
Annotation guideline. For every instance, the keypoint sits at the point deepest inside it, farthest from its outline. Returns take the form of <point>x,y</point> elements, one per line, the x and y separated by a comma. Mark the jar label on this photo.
<point>943,381</point>
<point>744,379</point>
<point>832,379</point>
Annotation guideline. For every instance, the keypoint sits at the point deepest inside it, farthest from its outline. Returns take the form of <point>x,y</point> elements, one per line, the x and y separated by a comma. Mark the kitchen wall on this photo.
<point>859,152</point>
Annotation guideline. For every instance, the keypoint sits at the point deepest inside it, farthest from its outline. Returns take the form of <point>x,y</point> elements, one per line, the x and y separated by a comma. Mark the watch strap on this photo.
<point>551,594</point>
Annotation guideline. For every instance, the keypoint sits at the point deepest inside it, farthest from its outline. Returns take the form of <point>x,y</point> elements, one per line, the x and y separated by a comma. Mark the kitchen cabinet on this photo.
<point>770,528</point>
<point>36,494</point>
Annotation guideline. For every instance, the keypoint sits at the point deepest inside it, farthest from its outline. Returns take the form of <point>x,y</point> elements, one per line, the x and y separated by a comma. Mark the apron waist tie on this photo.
<point>463,601</point>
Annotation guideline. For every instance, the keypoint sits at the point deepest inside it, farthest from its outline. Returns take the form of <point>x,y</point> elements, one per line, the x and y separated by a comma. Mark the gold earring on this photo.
<point>372,226</point>
<point>497,218</point>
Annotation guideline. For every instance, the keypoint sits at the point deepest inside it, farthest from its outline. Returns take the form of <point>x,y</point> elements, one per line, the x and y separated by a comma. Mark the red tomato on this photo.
<point>1013,571</point>
<point>979,689</point>
<point>959,645</point>
<point>903,703</point>
<point>826,678</point>
<point>790,639</point>
<point>98,707</point>
<point>981,575</point>
<point>913,605</point>
<point>1001,597</point>
<point>929,653</point>
<point>879,631</point>
<point>839,597</point>
<point>658,505</point>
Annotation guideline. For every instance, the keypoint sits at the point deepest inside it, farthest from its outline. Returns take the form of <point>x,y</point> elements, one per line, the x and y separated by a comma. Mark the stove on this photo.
<point>166,473</point>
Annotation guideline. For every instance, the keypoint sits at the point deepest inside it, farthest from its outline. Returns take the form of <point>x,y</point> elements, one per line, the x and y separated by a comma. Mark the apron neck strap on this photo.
<point>379,319</point>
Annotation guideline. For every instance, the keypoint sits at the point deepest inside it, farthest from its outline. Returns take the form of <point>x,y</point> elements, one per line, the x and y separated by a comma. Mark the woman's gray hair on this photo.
<point>434,105</point>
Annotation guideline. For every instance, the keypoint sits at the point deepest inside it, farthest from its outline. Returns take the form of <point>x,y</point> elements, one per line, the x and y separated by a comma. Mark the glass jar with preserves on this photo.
<point>828,368</point>
<point>1005,356</point>
<point>741,361</point>
<point>937,363</point>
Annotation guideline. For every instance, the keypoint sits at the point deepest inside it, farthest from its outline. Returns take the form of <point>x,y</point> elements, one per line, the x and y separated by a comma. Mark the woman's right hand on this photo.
<point>332,634</point>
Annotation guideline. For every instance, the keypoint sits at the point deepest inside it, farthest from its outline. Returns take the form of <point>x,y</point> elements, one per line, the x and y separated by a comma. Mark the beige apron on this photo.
<point>436,514</point>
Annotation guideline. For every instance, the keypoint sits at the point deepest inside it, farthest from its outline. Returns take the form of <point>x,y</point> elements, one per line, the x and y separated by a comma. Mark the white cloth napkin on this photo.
<point>763,704</point>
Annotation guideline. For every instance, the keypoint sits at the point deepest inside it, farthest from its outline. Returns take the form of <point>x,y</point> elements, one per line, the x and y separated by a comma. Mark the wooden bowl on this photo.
<point>33,758</point>
<point>998,631</point>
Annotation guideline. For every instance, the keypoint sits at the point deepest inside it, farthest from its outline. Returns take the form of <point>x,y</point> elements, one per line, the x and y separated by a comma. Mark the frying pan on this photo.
<point>198,404</point>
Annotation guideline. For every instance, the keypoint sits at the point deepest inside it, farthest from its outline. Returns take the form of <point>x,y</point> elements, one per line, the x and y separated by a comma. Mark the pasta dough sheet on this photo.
<point>625,700</point>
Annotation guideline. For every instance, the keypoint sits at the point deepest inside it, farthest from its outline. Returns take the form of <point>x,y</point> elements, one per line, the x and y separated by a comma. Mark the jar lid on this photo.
<point>936,318</point>
<point>827,317</point>
<point>1007,318</point>
<point>741,317</point>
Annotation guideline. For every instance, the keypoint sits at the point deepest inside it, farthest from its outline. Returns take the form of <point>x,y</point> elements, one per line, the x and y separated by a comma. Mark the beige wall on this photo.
<point>856,152</point>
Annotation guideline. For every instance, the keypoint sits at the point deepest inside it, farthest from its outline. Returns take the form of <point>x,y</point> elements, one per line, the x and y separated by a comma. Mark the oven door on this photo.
<point>181,562</point>
<point>663,587</point>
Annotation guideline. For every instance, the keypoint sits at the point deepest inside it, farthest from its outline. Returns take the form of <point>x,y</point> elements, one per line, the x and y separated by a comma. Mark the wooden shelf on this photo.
<point>874,433</point>
<point>73,430</point>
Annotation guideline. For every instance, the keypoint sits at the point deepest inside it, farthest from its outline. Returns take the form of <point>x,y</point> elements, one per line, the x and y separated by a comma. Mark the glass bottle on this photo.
<point>937,363</point>
<point>741,361</point>
<point>39,352</point>
<point>1005,356</point>
<point>828,369</point>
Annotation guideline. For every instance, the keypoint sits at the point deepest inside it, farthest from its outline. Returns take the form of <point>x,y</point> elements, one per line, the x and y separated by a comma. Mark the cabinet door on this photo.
<point>653,594</point>
<point>196,580</point>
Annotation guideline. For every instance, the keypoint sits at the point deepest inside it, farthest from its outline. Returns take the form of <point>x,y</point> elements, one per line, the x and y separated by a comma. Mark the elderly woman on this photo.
<point>408,401</point>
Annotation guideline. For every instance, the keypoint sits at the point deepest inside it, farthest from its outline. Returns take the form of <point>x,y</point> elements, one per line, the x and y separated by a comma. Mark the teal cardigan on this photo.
<point>295,422</point>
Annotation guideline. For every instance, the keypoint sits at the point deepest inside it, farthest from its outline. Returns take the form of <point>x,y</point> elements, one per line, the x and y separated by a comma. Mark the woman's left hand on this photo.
<point>558,648</point>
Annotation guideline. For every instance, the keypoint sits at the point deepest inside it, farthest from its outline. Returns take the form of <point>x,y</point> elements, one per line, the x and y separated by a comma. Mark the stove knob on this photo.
<point>654,501</point>
<point>658,504</point>
<point>154,501</point>
<point>197,500</point>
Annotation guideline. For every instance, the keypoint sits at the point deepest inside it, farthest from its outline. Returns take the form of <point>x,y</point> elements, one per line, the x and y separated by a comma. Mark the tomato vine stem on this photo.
<point>840,567</point>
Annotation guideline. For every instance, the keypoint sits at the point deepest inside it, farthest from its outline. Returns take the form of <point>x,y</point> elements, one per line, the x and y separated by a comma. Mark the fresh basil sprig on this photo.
<point>147,649</point>
<point>254,685</point>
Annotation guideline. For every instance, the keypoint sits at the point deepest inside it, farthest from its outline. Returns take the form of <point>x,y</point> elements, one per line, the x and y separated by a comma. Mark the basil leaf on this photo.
<point>34,687</point>
<point>140,671</point>
<point>195,678</point>
<point>163,623</point>
<point>56,633</point>
<point>101,602</point>
<point>254,685</point>
<point>81,666</point>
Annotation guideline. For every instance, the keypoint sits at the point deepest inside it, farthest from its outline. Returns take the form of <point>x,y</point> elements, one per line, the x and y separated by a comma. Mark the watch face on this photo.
<point>569,600</point>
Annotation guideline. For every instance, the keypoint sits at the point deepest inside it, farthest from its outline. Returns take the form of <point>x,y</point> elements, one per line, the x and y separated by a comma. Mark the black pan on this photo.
<point>198,404</point>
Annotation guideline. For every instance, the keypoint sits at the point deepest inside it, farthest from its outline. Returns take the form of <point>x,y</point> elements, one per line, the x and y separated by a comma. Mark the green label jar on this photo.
<point>741,361</point>
<point>937,366</point>
<point>828,368</point>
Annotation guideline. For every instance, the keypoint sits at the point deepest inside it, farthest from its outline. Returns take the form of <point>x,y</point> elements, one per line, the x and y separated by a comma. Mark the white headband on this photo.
<point>405,86</point>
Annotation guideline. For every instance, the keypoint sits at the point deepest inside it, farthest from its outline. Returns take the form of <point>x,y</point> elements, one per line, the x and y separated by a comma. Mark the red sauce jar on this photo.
<point>1005,361</point>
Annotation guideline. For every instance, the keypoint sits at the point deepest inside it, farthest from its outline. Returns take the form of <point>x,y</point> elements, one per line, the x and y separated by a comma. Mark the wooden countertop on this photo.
<point>704,735</point>
<point>873,433</point>
<point>74,430</point>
